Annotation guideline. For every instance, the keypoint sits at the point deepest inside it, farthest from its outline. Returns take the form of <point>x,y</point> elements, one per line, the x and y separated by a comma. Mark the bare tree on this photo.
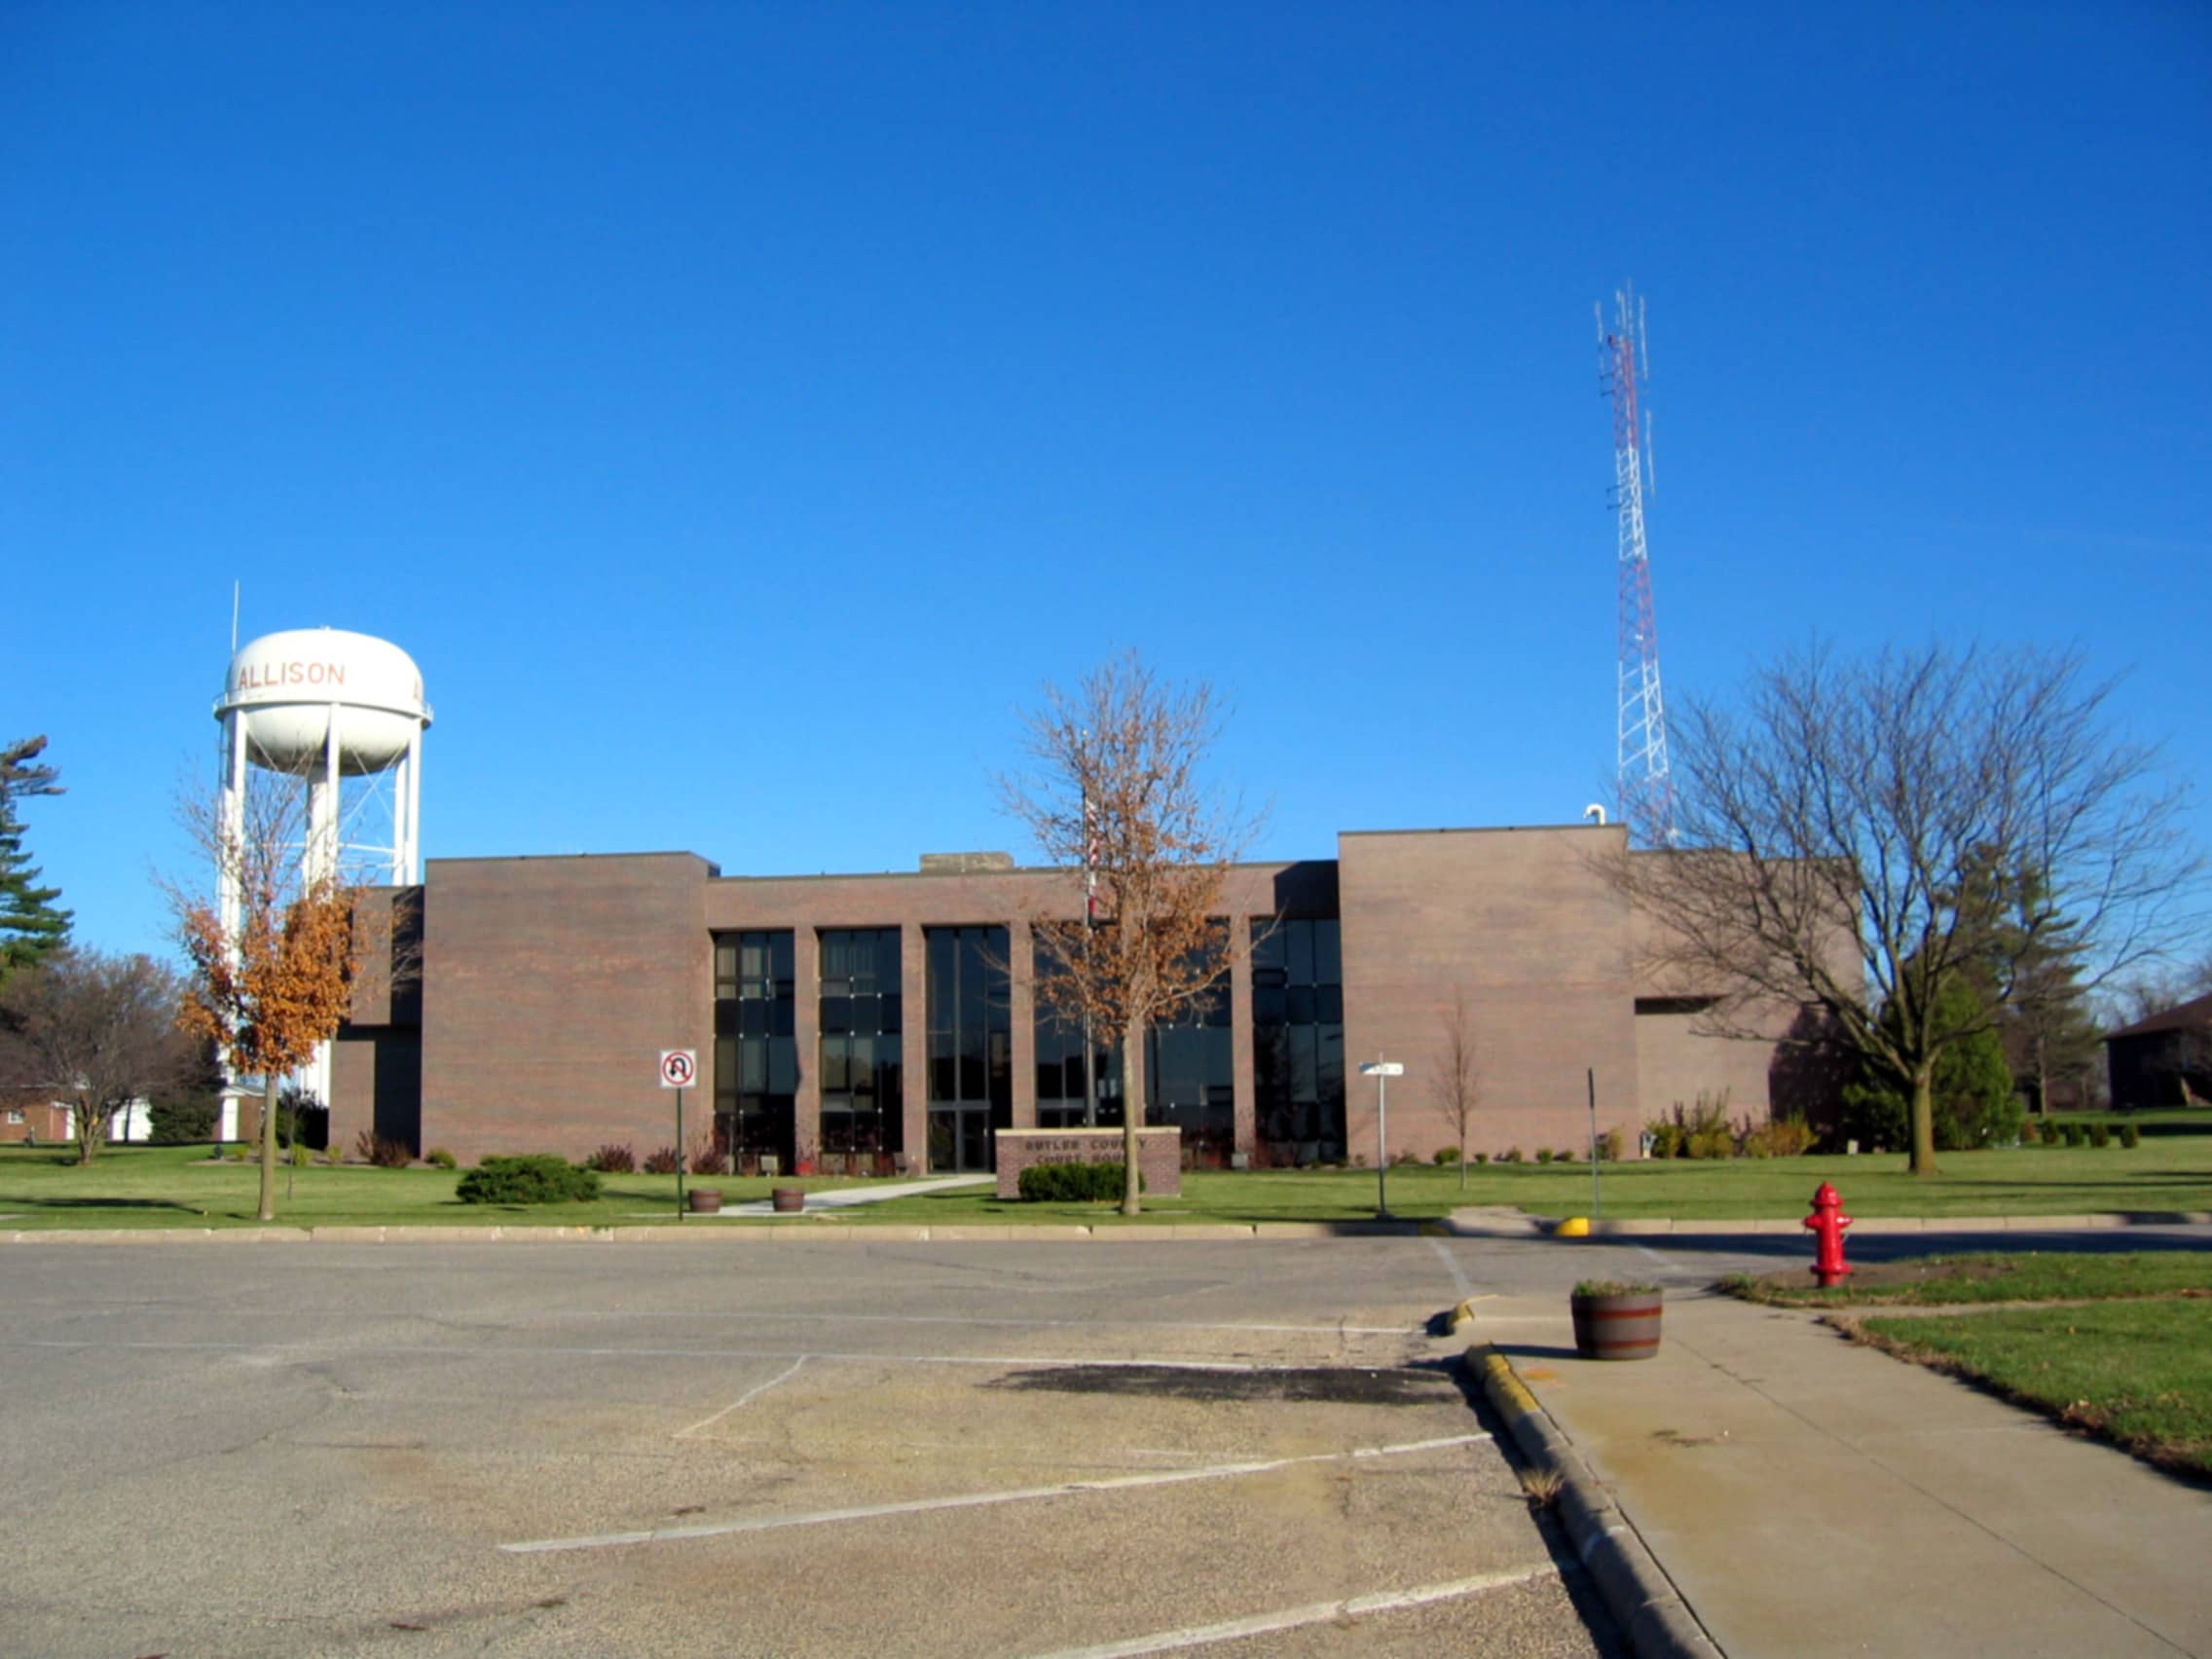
<point>97,1030</point>
<point>1859,833</point>
<point>1459,1083</point>
<point>1113,790</point>
<point>271,984</point>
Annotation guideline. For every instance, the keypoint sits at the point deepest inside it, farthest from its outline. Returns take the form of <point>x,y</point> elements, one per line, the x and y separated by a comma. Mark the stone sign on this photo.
<point>1160,1155</point>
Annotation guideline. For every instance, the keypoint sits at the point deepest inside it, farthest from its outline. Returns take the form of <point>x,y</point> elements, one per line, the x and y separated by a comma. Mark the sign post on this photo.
<point>1382,1071</point>
<point>1597,1199</point>
<point>678,1069</point>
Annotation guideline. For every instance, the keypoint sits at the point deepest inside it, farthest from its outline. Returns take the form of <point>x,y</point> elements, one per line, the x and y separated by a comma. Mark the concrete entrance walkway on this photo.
<point>848,1198</point>
<point>1808,1497</point>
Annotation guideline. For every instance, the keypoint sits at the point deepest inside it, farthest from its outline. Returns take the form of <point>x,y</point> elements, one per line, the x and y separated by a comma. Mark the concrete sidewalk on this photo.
<point>1808,1497</point>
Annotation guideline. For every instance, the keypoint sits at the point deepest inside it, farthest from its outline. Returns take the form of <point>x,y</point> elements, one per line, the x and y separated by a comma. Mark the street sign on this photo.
<point>678,1068</point>
<point>1383,1068</point>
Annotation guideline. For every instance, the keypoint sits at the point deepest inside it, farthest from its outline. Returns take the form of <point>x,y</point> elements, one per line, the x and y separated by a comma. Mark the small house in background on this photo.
<point>32,1117</point>
<point>2163,1061</point>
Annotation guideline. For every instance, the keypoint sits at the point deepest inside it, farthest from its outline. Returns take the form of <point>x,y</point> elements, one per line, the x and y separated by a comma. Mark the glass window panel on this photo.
<point>726,960</point>
<point>782,1066</point>
<point>782,955</point>
<point>1328,952</point>
<point>1269,1005</point>
<point>752,1067</point>
<point>1299,1001</point>
<point>1298,939</point>
<point>836,1074</point>
<point>867,1014</point>
<point>942,1078</point>
<point>894,1012</point>
<point>1266,945</point>
<point>1329,1003</point>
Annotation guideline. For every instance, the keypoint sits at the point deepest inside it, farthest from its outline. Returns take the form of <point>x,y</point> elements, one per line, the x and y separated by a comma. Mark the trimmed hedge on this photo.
<point>534,1178</point>
<point>1075,1183</point>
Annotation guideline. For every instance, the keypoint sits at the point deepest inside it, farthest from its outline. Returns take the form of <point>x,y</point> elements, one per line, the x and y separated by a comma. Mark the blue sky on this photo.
<point>739,412</point>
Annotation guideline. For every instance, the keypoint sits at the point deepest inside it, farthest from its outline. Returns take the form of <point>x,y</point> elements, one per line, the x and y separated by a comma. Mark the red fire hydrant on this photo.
<point>1828,1222</point>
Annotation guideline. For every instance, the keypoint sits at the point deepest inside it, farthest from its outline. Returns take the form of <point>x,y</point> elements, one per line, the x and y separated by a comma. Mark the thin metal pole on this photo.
<point>679,1158</point>
<point>1597,1203</point>
<point>1381,1143</point>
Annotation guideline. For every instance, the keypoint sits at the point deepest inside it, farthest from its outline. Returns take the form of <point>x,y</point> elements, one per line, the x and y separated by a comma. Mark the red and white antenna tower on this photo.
<point>1646,793</point>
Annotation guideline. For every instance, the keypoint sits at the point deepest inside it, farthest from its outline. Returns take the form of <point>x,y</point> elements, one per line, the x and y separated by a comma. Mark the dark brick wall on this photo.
<point>1523,922</point>
<point>550,986</point>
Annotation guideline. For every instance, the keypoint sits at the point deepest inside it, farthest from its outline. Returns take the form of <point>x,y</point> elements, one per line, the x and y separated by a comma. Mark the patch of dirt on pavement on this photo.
<point>1336,1385</point>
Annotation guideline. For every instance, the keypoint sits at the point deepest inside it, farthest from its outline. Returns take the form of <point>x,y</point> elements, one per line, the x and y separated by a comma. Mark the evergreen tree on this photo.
<point>31,925</point>
<point>1970,1091</point>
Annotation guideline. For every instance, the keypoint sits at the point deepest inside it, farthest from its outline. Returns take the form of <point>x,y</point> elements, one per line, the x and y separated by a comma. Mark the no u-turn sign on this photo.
<point>678,1068</point>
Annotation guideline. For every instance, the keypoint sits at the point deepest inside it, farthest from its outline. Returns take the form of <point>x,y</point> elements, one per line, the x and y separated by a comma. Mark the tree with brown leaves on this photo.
<point>97,1030</point>
<point>1842,830</point>
<point>271,985</point>
<point>1114,791</point>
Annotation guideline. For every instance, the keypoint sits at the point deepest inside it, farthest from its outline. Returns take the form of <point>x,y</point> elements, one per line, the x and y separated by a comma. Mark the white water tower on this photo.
<point>343,715</point>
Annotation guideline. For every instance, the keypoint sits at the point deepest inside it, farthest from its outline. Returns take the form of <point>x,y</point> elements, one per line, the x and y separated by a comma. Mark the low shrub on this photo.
<point>661,1163</point>
<point>301,1155</point>
<point>2100,1135</point>
<point>2130,1135</point>
<point>707,1160</point>
<point>1482,1158</point>
<point>1075,1183</point>
<point>334,1154</point>
<point>1564,1155</point>
<point>613,1159</point>
<point>1511,1155</point>
<point>1668,1137</point>
<point>533,1178</point>
<point>1615,1287</point>
<point>1710,1144</point>
<point>1447,1155</point>
<point>1610,1146</point>
<point>442,1158</point>
<point>1784,1137</point>
<point>2029,1133</point>
<point>386,1153</point>
<point>1543,1154</point>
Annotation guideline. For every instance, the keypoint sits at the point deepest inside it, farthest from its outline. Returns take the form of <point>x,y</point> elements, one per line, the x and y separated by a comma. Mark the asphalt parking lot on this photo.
<point>908,1448</point>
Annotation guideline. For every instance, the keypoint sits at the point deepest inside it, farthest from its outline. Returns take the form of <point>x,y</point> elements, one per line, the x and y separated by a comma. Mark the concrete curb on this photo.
<point>1642,1599</point>
<point>1773,1228</point>
<point>775,1232</point>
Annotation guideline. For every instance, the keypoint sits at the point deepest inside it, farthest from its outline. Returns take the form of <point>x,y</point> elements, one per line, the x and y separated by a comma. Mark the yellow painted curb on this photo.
<point>1573,1227</point>
<point>1460,1316</point>
<point>1507,1391</point>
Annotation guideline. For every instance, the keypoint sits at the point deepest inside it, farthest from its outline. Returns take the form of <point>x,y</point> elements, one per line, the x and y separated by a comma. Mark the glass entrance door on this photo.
<point>970,1053</point>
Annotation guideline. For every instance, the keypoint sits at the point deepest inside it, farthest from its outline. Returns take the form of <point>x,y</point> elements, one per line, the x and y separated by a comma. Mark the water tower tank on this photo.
<point>289,690</point>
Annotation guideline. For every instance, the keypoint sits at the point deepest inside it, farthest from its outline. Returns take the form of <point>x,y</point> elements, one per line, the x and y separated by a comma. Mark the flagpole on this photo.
<point>1089,920</point>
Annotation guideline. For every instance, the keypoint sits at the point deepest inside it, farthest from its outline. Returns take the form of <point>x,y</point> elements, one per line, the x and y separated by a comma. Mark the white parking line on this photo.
<point>761,1317</point>
<point>971,1501</point>
<point>1313,1613</point>
<point>744,1399</point>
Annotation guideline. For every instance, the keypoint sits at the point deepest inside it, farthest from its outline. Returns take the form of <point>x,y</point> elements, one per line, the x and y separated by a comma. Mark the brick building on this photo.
<point>519,1004</point>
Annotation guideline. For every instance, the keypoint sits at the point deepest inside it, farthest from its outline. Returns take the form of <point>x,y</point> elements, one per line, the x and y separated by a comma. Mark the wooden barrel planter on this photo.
<point>787,1201</point>
<point>1616,1321</point>
<point>704,1200</point>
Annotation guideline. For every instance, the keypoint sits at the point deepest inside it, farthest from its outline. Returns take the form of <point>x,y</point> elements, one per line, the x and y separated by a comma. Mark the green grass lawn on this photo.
<point>2121,1346</point>
<point>2030,1275</point>
<point>2138,1373</point>
<point>176,1186</point>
